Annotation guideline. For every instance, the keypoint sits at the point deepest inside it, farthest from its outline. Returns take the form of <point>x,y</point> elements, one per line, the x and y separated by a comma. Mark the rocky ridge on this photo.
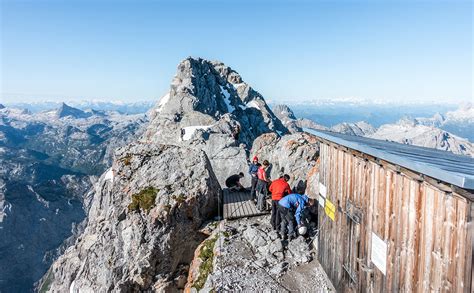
<point>360,128</point>
<point>286,115</point>
<point>125,250</point>
<point>410,131</point>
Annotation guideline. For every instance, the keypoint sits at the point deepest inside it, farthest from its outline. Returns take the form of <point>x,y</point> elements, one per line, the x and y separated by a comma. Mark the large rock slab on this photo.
<point>293,154</point>
<point>130,251</point>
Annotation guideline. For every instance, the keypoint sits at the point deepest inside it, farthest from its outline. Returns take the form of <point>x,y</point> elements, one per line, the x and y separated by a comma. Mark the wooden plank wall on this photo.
<point>429,243</point>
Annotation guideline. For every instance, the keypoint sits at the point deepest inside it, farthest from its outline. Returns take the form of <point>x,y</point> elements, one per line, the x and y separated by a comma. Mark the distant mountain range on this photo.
<point>449,132</point>
<point>49,161</point>
<point>118,106</point>
<point>329,113</point>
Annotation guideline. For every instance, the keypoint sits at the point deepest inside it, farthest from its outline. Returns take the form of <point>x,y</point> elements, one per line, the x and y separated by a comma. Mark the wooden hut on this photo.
<point>394,217</point>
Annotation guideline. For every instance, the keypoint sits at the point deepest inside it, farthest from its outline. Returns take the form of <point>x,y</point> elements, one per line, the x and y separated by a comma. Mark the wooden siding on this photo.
<point>428,231</point>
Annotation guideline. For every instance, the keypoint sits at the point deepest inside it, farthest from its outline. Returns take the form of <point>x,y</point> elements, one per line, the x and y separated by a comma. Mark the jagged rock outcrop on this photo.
<point>410,131</point>
<point>2,106</point>
<point>307,123</point>
<point>459,122</point>
<point>209,107</point>
<point>247,256</point>
<point>68,111</point>
<point>286,115</point>
<point>360,128</point>
<point>293,154</point>
<point>128,250</point>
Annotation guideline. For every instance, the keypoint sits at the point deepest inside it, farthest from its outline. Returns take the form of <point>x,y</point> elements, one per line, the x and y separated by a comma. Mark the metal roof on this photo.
<point>442,165</point>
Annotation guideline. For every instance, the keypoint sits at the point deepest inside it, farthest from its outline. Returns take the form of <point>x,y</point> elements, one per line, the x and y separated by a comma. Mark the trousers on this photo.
<point>276,218</point>
<point>288,221</point>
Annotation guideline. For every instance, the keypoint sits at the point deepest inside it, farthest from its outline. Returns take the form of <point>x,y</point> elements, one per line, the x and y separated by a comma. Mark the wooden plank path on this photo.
<point>238,204</point>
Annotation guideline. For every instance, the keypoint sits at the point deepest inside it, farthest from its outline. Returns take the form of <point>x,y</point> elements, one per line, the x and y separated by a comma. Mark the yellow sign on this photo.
<point>330,209</point>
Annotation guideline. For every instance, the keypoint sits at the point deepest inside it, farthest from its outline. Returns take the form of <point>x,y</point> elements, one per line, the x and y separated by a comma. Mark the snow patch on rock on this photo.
<point>189,131</point>
<point>109,175</point>
<point>163,102</point>
<point>253,104</point>
<point>226,94</point>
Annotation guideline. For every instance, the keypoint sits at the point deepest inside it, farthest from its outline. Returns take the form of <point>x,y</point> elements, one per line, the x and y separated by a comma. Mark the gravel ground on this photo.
<point>250,257</point>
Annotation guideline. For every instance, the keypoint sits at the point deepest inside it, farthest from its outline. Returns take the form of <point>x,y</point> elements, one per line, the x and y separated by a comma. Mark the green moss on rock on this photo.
<point>47,283</point>
<point>206,254</point>
<point>127,160</point>
<point>144,200</point>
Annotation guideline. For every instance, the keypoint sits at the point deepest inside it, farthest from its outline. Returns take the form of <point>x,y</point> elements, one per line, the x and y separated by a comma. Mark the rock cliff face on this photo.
<point>136,245</point>
<point>293,154</point>
<point>286,115</point>
<point>210,107</point>
<point>360,128</point>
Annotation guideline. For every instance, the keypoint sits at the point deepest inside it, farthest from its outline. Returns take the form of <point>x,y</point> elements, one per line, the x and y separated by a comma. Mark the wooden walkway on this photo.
<point>239,205</point>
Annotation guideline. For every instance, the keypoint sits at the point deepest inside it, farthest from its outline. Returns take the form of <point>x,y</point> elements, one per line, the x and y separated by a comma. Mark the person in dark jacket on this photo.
<point>279,189</point>
<point>233,182</point>
<point>253,170</point>
<point>291,208</point>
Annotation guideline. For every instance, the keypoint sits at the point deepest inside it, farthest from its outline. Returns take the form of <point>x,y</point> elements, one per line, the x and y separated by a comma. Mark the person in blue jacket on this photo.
<point>290,208</point>
<point>253,170</point>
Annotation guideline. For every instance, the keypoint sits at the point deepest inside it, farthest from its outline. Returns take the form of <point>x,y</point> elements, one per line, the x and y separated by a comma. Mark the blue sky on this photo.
<point>299,50</point>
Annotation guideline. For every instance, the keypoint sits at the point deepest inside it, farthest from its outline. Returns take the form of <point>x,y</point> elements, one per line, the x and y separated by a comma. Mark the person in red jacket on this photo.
<point>262,185</point>
<point>279,189</point>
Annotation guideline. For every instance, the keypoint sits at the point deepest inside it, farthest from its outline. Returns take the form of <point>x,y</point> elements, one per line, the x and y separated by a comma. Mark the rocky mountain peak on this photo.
<point>2,107</point>
<point>407,122</point>
<point>66,110</point>
<point>284,111</point>
<point>210,107</point>
<point>360,128</point>
<point>204,92</point>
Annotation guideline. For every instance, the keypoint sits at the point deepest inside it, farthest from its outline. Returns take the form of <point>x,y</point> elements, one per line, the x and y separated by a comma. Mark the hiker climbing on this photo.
<point>262,185</point>
<point>291,208</point>
<point>233,182</point>
<point>236,132</point>
<point>279,188</point>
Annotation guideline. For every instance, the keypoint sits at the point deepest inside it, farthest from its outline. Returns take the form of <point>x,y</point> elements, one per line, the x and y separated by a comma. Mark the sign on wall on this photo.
<point>322,189</point>
<point>322,195</point>
<point>379,253</point>
<point>330,209</point>
<point>321,200</point>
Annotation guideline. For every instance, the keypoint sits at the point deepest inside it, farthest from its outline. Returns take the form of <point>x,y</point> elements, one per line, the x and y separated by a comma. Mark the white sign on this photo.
<point>379,253</point>
<point>321,201</point>
<point>322,189</point>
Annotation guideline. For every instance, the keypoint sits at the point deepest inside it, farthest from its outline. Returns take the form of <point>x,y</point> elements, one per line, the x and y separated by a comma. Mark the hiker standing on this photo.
<point>262,185</point>
<point>279,188</point>
<point>253,170</point>
<point>291,208</point>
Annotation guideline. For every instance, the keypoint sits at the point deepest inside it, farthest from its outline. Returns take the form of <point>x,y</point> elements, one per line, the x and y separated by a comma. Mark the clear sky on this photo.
<point>129,50</point>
